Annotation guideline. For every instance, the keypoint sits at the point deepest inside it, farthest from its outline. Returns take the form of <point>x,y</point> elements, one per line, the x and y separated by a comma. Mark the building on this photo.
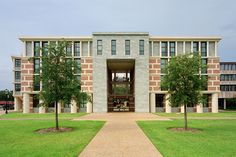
<point>122,71</point>
<point>227,85</point>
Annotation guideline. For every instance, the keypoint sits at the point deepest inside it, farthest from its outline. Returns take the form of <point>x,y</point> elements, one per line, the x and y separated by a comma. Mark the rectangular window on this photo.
<point>113,47</point>
<point>195,47</point>
<point>77,48</point>
<point>205,78</point>
<point>28,47</point>
<point>172,48</point>
<point>69,49</point>
<point>17,87</point>
<point>17,76</point>
<point>164,62</point>
<point>36,65</point>
<point>203,49</point>
<point>36,49</point>
<point>141,47</point>
<point>17,63</point>
<point>77,60</point>
<point>36,83</point>
<point>45,48</point>
<point>204,64</point>
<point>164,49</point>
<point>127,47</point>
<point>99,47</point>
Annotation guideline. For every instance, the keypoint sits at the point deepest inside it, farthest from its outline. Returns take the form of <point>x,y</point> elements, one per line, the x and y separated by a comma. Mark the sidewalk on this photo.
<point>120,136</point>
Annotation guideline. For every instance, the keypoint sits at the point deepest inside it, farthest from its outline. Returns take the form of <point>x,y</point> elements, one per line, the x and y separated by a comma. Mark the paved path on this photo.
<point>120,136</point>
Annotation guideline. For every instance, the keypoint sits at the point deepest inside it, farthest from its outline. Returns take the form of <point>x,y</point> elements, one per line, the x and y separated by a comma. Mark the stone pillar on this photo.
<point>167,102</point>
<point>42,109</point>
<point>73,106</point>
<point>89,107</point>
<point>26,104</point>
<point>214,102</point>
<point>200,108</point>
<point>152,102</point>
<point>225,104</point>
<point>59,104</point>
<point>182,109</point>
<point>16,104</point>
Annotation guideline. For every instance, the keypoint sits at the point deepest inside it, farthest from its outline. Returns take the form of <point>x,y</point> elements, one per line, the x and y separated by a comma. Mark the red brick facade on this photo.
<point>27,71</point>
<point>213,71</point>
<point>87,74</point>
<point>154,74</point>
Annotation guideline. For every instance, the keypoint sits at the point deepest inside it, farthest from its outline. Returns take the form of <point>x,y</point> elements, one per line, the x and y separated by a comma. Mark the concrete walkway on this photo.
<point>120,136</point>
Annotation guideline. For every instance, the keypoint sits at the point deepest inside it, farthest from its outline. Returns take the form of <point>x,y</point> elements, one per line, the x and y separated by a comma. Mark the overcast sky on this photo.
<point>82,17</point>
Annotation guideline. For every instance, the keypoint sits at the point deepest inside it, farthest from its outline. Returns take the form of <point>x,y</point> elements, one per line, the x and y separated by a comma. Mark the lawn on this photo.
<point>19,139</point>
<point>41,116</point>
<point>226,114</point>
<point>217,138</point>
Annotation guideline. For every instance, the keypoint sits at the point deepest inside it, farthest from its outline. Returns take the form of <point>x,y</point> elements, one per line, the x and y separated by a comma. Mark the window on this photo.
<point>17,76</point>
<point>113,47</point>
<point>76,48</point>
<point>203,49</point>
<point>99,47</point>
<point>45,48</point>
<point>228,87</point>
<point>69,49</point>
<point>17,63</point>
<point>127,47</point>
<point>204,64</point>
<point>36,65</point>
<point>77,60</point>
<point>172,48</point>
<point>36,48</point>
<point>36,85</point>
<point>141,47</point>
<point>163,64</point>
<point>28,47</point>
<point>17,87</point>
<point>195,47</point>
<point>205,78</point>
<point>164,49</point>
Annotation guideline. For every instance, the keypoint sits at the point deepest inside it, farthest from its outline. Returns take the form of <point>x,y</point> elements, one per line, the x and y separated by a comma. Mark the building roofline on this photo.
<point>25,38</point>
<point>121,33</point>
<point>227,62</point>
<point>215,38</point>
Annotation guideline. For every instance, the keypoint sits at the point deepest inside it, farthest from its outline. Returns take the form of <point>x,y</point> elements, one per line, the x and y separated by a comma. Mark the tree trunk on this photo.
<point>57,127</point>
<point>185,118</point>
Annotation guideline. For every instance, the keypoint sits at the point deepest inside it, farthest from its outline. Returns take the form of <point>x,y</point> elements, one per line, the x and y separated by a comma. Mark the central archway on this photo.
<point>120,85</point>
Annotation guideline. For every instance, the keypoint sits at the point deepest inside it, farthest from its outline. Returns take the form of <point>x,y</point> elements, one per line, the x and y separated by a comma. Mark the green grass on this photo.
<point>41,116</point>
<point>199,115</point>
<point>19,139</point>
<point>217,139</point>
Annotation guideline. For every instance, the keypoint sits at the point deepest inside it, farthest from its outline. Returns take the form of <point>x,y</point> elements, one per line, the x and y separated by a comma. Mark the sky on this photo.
<point>82,17</point>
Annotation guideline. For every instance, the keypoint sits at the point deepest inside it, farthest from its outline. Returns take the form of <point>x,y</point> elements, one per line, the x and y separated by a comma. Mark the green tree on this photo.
<point>184,82</point>
<point>59,84</point>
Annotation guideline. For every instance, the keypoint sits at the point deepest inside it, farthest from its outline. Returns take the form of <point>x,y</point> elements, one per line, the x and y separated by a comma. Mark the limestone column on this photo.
<point>59,104</point>
<point>16,104</point>
<point>42,109</point>
<point>200,108</point>
<point>182,109</point>
<point>89,107</point>
<point>225,104</point>
<point>26,104</point>
<point>167,102</point>
<point>152,102</point>
<point>73,106</point>
<point>214,105</point>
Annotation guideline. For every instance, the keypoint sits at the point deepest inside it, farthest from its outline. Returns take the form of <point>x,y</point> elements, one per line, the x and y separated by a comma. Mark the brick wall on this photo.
<point>213,70</point>
<point>27,70</point>
<point>154,74</point>
<point>87,74</point>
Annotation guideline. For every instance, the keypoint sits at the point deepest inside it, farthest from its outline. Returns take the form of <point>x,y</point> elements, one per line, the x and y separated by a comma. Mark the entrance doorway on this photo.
<point>120,82</point>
